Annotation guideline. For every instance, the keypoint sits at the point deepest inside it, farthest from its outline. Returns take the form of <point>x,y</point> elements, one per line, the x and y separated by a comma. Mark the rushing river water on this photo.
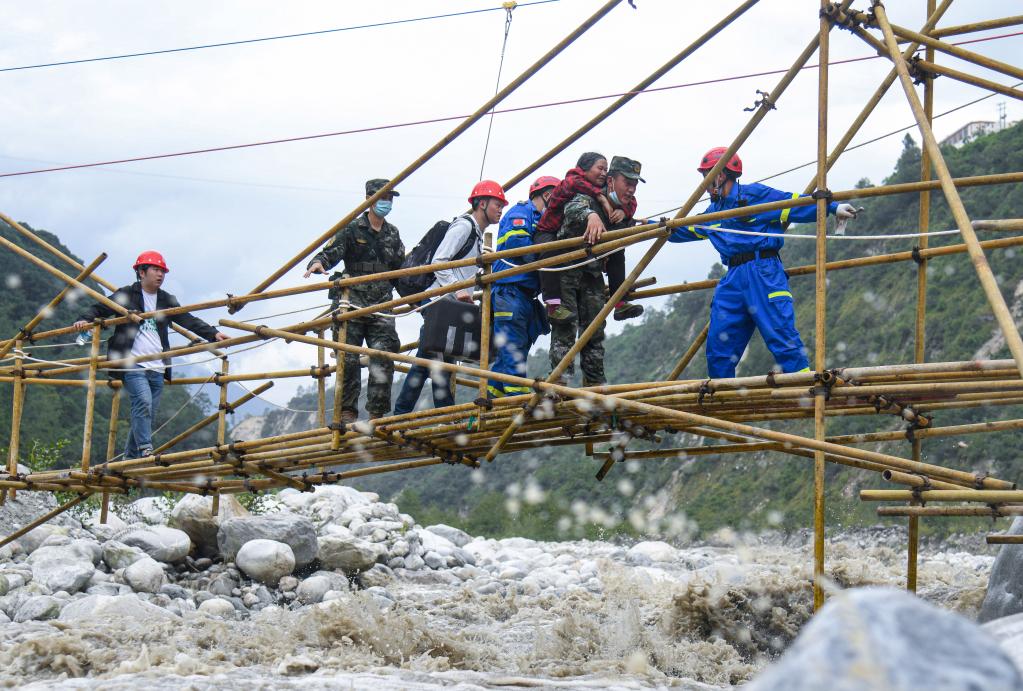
<point>596,615</point>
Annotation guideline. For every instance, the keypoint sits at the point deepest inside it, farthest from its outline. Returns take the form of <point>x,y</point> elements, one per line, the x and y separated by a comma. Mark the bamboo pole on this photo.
<point>115,413</point>
<point>980,264</point>
<point>820,304</point>
<point>486,327</point>
<point>1004,539</point>
<point>90,399</point>
<point>222,407</point>
<point>933,44</point>
<point>16,410</point>
<point>26,331</point>
<point>436,148</point>
<point>687,357</point>
<point>341,334</point>
<point>960,29</point>
<point>225,407</point>
<point>988,511</point>
<point>321,382</point>
<point>986,496</point>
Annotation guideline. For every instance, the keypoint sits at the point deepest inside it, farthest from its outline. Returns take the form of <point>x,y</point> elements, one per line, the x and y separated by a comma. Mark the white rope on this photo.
<point>893,236</point>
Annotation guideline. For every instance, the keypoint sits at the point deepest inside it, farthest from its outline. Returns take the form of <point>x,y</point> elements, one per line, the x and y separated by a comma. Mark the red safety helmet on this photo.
<point>150,258</point>
<point>487,188</point>
<point>542,183</point>
<point>711,158</point>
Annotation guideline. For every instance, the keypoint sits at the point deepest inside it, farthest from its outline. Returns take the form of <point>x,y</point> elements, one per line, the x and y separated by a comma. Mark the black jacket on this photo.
<point>120,344</point>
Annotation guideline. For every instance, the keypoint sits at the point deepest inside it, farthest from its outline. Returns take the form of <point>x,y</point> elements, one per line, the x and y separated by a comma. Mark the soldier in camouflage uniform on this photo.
<point>582,288</point>
<point>367,245</point>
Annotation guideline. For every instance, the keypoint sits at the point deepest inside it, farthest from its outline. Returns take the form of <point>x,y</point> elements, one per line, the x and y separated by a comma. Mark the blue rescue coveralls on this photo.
<point>754,293</point>
<point>519,318</point>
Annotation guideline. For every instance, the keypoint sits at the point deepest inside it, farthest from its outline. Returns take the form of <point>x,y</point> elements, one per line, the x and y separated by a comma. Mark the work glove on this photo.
<point>846,211</point>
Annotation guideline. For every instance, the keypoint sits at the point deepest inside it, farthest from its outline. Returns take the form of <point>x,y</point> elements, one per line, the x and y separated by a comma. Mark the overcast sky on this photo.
<point>226,220</point>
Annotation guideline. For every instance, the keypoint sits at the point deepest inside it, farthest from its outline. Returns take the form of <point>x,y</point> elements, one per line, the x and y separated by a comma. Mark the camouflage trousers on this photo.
<point>378,333</point>
<point>582,293</point>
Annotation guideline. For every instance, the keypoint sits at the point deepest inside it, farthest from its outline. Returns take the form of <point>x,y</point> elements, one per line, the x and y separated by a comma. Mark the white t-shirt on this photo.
<point>147,340</point>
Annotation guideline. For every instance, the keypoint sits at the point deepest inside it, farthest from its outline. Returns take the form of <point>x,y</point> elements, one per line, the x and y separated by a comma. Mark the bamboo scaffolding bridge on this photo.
<point>728,413</point>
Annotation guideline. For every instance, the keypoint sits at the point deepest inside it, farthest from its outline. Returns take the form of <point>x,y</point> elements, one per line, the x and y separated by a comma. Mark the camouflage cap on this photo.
<point>376,184</point>
<point>628,167</point>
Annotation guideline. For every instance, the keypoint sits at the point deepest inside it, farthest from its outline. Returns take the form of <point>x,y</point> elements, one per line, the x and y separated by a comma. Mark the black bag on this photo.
<point>422,254</point>
<point>452,327</point>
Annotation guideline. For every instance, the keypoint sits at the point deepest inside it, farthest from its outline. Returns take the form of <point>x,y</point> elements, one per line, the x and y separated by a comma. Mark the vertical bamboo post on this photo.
<point>821,300</point>
<point>919,350</point>
<point>339,375</point>
<point>486,329</point>
<point>955,203</point>
<point>321,382</point>
<point>90,398</point>
<point>688,356</point>
<point>18,404</point>
<point>222,408</point>
<point>115,412</point>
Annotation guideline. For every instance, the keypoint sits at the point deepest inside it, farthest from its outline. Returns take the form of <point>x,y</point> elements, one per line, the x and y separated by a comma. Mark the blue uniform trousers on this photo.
<point>753,295</point>
<point>519,319</point>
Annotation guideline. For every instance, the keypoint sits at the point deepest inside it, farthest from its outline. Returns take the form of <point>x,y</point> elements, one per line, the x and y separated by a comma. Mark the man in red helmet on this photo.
<point>754,294</point>
<point>462,240</point>
<point>144,380</point>
<point>519,318</point>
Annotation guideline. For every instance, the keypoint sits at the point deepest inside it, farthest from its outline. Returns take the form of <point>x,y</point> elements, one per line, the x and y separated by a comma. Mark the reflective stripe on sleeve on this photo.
<point>510,233</point>
<point>502,314</point>
<point>785,212</point>
<point>779,294</point>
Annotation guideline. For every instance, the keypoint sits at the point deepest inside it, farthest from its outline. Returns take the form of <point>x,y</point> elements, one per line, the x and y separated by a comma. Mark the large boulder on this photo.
<point>882,638</point>
<point>63,567</point>
<point>145,576</point>
<point>164,544</point>
<point>38,608</point>
<point>150,510</point>
<point>103,531</point>
<point>312,589</point>
<point>325,504</point>
<point>294,531</point>
<point>266,561</point>
<point>1005,584</point>
<point>459,538</point>
<point>34,538</point>
<point>645,553</point>
<point>118,555</point>
<point>104,607</point>
<point>350,554</point>
<point>194,515</point>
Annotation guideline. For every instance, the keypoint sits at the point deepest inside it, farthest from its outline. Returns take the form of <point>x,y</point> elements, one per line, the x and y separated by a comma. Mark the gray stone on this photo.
<point>103,589</point>
<point>174,591</point>
<point>5,585</point>
<point>118,555</point>
<point>399,549</point>
<point>378,575</point>
<point>222,585</point>
<point>62,567</point>
<point>102,607</point>
<point>145,576</point>
<point>1005,584</point>
<point>164,544</point>
<point>311,590</point>
<point>883,638</point>
<point>217,607</point>
<point>294,531</point>
<point>151,510</point>
<point>288,583</point>
<point>38,608</point>
<point>351,555</point>
<point>434,560</point>
<point>194,515</point>
<point>266,561</point>
<point>414,562</point>
<point>396,563</point>
<point>103,531</point>
<point>459,538</point>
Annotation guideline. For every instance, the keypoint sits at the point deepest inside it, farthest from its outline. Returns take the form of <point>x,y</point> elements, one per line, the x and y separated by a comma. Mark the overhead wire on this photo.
<point>428,121</point>
<point>264,39</point>
<point>509,8</point>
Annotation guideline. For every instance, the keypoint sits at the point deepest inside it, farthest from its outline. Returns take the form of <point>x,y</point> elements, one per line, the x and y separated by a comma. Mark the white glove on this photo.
<point>846,211</point>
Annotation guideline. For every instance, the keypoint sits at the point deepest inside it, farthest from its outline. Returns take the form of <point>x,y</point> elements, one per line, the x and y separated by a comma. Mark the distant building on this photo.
<point>969,132</point>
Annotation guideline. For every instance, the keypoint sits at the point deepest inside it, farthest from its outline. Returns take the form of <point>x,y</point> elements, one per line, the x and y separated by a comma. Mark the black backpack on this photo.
<point>422,254</point>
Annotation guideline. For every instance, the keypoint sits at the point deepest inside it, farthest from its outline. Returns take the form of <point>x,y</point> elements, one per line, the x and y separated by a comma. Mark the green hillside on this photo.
<point>870,321</point>
<point>54,416</point>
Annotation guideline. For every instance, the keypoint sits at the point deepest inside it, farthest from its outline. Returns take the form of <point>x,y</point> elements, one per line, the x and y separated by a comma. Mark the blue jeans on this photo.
<point>144,386</point>
<point>416,379</point>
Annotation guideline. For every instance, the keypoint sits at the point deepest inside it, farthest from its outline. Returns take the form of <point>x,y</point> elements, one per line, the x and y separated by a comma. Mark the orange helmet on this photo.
<point>711,158</point>
<point>150,258</point>
<point>487,188</point>
<point>542,183</point>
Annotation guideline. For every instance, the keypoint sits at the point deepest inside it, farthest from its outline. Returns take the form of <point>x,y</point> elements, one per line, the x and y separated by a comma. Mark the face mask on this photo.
<point>614,198</point>
<point>383,207</point>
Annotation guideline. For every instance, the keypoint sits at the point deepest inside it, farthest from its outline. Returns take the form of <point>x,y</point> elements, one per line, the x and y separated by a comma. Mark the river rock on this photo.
<point>149,510</point>
<point>35,538</point>
<point>145,576</point>
<point>325,504</point>
<point>103,607</point>
<point>378,575</point>
<point>645,553</point>
<point>433,542</point>
<point>351,555</point>
<point>434,560</point>
<point>118,555</point>
<point>164,544</point>
<point>311,590</point>
<point>38,608</point>
<point>884,638</point>
<point>266,561</point>
<point>103,531</point>
<point>1005,584</point>
<point>217,607</point>
<point>194,515</point>
<point>294,531</point>
<point>62,567</point>
<point>459,538</point>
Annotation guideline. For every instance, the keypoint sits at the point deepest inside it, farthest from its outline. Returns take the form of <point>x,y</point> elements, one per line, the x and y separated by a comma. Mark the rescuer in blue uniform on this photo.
<point>755,291</point>
<point>519,318</point>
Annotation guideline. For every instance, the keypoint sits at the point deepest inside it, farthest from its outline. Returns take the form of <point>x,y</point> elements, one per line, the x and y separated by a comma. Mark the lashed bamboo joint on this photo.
<point>727,413</point>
